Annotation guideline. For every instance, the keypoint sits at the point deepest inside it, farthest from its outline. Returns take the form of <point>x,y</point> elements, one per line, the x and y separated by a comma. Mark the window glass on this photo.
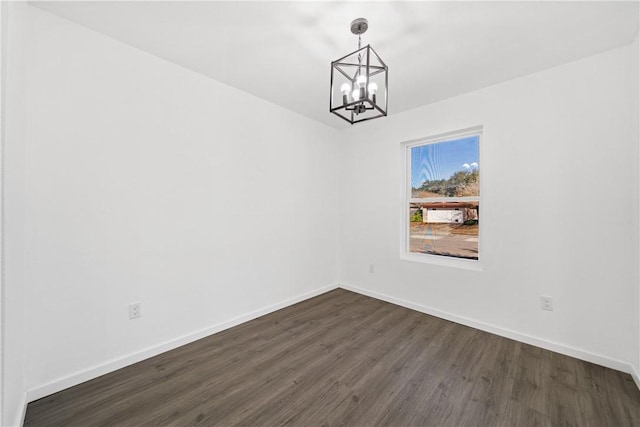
<point>444,197</point>
<point>446,169</point>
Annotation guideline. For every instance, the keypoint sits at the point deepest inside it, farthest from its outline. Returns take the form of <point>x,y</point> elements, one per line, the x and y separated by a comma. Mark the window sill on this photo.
<point>464,264</point>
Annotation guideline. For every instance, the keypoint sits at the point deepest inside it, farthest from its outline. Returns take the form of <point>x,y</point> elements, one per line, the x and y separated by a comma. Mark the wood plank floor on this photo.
<point>345,359</point>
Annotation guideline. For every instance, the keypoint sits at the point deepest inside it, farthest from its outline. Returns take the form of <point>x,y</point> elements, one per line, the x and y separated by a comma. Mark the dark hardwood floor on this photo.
<point>346,359</point>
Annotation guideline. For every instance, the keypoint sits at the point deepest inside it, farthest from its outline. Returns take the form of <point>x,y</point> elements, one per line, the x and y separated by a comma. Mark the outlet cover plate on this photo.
<point>134,310</point>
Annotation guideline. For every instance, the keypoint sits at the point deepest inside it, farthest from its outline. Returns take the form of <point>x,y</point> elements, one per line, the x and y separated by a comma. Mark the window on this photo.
<point>442,207</point>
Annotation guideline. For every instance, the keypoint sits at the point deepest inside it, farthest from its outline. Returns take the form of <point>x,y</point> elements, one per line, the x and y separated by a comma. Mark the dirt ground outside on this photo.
<point>455,240</point>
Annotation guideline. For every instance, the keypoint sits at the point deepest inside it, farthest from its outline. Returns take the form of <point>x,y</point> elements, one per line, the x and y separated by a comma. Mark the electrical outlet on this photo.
<point>134,310</point>
<point>546,303</point>
<point>372,268</point>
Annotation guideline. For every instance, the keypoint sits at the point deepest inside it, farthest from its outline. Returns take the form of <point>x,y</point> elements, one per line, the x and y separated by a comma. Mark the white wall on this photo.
<point>13,182</point>
<point>555,141</point>
<point>635,115</point>
<point>150,183</point>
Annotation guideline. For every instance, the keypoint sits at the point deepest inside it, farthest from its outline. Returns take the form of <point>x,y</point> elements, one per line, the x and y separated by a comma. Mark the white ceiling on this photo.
<point>281,51</point>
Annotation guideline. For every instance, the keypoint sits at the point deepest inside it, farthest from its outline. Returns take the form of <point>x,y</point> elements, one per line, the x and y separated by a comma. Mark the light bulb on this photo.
<point>361,80</point>
<point>356,94</point>
<point>345,88</point>
<point>373,88</point>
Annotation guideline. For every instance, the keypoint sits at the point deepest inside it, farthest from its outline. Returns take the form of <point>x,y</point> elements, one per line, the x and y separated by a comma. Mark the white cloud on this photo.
<point>473,165</point>
<point>466,166</point>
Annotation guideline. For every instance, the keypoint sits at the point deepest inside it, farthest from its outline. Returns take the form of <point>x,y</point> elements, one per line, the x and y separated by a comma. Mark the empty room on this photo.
<point>320,213</point>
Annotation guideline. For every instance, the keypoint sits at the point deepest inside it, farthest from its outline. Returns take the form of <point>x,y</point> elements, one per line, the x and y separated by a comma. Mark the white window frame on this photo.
<point>405,253</point>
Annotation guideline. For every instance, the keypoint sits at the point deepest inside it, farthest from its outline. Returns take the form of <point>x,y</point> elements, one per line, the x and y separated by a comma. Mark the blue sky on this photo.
<point>441,160</point>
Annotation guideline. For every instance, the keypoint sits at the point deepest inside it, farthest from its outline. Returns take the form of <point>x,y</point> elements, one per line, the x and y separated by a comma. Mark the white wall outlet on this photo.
<point>546,303</point>
<point>134,310</point>
<point>372,268</point>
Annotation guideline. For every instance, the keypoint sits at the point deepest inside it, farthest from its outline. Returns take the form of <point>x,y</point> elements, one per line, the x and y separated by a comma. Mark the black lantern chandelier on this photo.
<point>359,82</point>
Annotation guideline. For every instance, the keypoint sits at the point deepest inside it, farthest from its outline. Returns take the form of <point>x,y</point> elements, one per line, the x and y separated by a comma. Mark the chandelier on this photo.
<point>359,82</point>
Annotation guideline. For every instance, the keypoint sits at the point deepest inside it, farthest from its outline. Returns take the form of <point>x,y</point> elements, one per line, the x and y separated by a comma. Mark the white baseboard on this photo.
<point>635,376</point>
<point>588,356</point>
<point>115,364</point>
<point>55,386</point>
<point>22,410</point>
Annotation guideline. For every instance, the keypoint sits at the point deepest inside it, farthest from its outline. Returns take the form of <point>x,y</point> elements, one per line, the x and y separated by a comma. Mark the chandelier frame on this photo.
<point>366,62</point>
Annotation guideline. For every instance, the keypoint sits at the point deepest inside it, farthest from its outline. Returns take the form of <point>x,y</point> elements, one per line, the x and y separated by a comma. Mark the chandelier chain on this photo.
<point>359,55</point>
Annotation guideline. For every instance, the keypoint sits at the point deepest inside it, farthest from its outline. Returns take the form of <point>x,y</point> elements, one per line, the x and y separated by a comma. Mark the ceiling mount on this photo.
<point>359,26</point>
